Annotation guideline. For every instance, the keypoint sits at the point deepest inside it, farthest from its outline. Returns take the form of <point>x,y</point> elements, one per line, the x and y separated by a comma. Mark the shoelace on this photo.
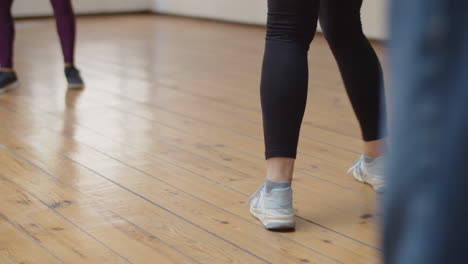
<point>257,192</point>
<point>357,168</point>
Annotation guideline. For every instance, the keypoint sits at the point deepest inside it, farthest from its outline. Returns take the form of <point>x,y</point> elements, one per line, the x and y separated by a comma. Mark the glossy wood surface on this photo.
<point>154,161</point>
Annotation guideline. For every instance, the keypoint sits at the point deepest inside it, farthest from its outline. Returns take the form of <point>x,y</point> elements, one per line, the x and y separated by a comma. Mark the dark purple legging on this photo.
<point>64,17</point>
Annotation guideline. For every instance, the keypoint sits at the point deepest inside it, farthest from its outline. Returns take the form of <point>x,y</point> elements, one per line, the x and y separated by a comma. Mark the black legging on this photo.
<point>290,30</point>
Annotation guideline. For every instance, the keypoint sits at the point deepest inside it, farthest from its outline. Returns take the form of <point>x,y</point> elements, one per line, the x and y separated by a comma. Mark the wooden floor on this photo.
<point>153,162</point>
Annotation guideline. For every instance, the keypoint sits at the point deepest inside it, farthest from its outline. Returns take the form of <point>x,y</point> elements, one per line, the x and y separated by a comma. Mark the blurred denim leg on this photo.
<point>426,204</point>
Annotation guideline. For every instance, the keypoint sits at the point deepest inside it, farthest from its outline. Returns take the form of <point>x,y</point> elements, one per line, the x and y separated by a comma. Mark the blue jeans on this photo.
<point>426,203</point>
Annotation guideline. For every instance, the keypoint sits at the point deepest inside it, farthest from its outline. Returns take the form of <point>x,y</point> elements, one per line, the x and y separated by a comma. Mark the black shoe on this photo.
<point>73,78</point>
<point>8,81</point>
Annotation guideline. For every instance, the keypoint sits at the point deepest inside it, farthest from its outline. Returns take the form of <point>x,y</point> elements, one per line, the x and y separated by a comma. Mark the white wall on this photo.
<point>245,11</point>
<point>254,11</point>
<point>22,8</point>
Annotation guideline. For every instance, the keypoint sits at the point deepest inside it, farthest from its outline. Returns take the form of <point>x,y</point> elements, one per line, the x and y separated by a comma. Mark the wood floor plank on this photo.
<point>325,153</point>
<point>355,249</point>
<point>177,47</point>
<point>201,213</point>
<point>212,127</point>
<point>225,156</point>
<point>132,135</point>
<point>194,126</point>
<point>247,129</point>
<point>97,212</point>
<point>57,234</point>
<point>17,247</point>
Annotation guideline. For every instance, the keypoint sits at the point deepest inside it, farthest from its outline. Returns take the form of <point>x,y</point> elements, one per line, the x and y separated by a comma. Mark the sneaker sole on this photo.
<point>359,178</point>
<point>274,222</point>
<point>10,87</point>
<point>378,189</point>
<point>76,86</point>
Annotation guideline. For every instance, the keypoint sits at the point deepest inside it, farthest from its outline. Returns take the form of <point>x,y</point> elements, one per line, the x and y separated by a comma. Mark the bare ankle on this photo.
<point>280,169</point>
<point>7,69</point>
<point>374,148</point>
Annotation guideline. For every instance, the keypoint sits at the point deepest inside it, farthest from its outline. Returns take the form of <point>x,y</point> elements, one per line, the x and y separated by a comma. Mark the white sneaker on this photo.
<point>370,172</point>
<point>273,209</point>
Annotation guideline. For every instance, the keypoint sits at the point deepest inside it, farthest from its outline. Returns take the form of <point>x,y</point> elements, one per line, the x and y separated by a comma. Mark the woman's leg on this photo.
<point>362,76</point>
<point>66,28</point>
<point>8,77</point>
<point>359,66</point>
<point>7,35</point>
<point>291,27</point>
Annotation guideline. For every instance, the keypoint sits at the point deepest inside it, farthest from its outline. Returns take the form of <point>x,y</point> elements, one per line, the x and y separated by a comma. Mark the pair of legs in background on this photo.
<point>291,27</point>
<point>66,28</point>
